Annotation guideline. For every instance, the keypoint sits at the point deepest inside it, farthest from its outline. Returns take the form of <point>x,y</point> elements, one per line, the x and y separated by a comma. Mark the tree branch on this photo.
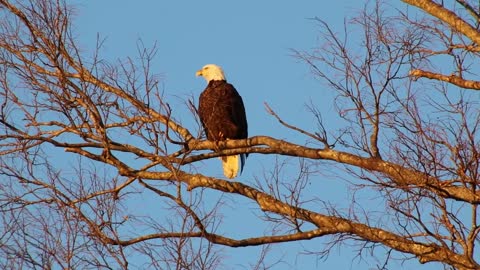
<point>453,79</point>
<point>447,16</point>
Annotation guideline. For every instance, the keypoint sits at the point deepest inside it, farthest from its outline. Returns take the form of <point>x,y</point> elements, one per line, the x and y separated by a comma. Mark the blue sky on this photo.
<point>252,41</point>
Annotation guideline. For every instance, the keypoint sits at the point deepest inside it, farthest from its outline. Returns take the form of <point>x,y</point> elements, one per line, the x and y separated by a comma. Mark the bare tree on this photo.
<point>411,142</point>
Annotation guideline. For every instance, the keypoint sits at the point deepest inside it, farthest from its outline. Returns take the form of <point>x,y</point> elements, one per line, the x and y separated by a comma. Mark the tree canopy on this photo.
<point>404,95</point>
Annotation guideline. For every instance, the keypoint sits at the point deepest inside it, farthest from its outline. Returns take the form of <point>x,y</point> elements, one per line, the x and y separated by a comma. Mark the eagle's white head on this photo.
<point>211,72</point>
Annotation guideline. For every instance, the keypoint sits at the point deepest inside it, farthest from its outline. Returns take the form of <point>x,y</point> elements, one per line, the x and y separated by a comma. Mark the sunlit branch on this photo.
<point>453,79</point>
<point>447,16</point>
<point>226,241</point>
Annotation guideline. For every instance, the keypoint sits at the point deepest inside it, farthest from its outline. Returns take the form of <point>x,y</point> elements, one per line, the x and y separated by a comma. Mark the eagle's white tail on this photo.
<point>231,164</point>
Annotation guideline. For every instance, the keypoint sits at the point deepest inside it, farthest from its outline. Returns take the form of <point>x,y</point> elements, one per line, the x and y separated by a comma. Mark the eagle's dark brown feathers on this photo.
<point>222,112</point>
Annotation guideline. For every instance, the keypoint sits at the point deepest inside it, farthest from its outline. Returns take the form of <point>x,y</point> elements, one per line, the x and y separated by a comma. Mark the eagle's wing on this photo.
<point>222,112</point>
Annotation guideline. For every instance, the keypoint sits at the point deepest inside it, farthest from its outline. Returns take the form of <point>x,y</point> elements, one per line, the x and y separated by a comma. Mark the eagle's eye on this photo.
<point>207,67</point>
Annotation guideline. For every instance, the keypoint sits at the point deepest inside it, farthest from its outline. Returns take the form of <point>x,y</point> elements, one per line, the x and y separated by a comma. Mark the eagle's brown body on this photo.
<point>222,112</point>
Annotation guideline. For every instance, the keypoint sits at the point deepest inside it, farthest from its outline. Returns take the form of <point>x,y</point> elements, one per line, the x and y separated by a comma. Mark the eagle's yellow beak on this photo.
<point>199,73</point>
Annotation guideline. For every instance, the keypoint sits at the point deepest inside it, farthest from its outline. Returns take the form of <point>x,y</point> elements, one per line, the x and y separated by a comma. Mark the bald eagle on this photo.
<point>222,114</point>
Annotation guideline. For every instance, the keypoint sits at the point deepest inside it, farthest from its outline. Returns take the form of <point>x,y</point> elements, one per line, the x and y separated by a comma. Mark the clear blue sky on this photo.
<point>252,41</point>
